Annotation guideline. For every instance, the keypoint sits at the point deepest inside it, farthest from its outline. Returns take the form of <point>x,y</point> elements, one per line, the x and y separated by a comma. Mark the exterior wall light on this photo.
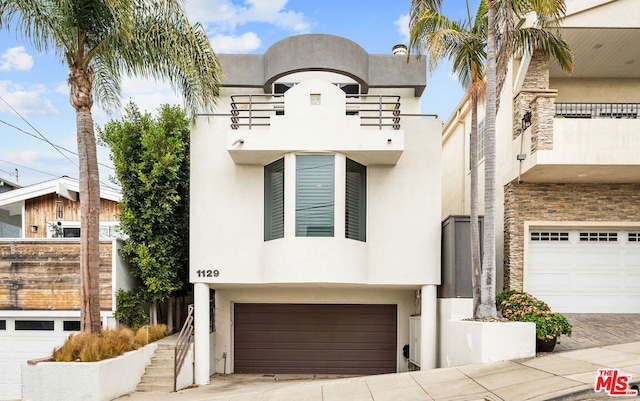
<point>526,120</point>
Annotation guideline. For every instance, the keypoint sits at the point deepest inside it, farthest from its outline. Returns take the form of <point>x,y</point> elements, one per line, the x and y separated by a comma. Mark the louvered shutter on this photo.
<point>356,201</point>
<point>274,200</point>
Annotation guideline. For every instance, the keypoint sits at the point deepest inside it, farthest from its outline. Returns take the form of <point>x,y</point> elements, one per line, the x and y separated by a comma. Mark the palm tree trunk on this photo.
<point>488,297</point>
<point>80,82</point>
<point>476,267</point>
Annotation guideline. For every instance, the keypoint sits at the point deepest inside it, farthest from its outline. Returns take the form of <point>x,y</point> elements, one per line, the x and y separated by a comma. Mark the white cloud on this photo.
<point>15,58</point>
<point>27,102</point>
<point>244,43</point>
<point>227,16</point>
<point>31,158</point>
<point>403,27</point>
<point>148,94</point>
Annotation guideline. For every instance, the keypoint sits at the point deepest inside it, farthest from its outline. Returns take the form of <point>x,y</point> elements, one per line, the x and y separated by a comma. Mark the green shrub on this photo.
<point>129,309</point>
<point>523,307</point>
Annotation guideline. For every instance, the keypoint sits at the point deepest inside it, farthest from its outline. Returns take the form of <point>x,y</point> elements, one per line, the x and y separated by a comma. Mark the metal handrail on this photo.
<point>182,345</point>
<point>256,110</point>
<point>598,110</point>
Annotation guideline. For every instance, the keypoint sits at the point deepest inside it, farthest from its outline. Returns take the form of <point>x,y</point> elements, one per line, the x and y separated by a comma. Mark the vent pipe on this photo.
<point>399,49</point>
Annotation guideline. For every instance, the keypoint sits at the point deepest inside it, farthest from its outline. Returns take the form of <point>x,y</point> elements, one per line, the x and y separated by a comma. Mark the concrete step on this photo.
<point>157,379</point>
<point>164,351</point>
<point>166,346</point>
<point>159,374</point>
<point>161,359</point>
<point>159,370</point>
<point>165,388</point>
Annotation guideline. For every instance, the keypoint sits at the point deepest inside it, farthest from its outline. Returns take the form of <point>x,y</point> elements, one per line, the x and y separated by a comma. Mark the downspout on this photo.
<point>463,182</point>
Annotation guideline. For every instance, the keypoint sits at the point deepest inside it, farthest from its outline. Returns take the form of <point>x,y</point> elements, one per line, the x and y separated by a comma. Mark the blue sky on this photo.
<point>34,106</point>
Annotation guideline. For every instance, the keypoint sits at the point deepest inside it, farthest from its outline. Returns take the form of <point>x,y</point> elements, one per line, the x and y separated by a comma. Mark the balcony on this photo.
<point>316,118</point>
<point>378,111</point>
<point>597,110</point>
<point>586,142</point>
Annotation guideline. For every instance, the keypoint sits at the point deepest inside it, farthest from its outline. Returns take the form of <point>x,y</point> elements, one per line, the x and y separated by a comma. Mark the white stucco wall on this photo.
<point>227,221</point>
<point>99,381</point>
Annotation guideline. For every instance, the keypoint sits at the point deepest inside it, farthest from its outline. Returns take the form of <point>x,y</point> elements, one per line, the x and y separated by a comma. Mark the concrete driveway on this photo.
<point>600,329</point>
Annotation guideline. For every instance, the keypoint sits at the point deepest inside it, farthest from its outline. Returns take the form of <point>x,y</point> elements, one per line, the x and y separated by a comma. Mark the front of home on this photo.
<point>568,160</point>
<point>315,235</point>
<point>40,274</point>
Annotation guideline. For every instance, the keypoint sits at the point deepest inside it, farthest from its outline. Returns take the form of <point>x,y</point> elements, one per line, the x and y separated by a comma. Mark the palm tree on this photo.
<point>545,35</point>
<point>445,39</point>
<point>100,40</point>
<point>465,44</point>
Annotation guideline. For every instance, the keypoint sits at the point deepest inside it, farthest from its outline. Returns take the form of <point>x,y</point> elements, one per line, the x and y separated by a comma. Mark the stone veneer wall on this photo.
<point>542,110</point>
<point>536,80</point>
<point>560,202</point>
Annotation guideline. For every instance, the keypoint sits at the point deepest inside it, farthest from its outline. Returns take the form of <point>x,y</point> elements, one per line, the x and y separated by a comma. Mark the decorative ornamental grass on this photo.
<point>87,347</point>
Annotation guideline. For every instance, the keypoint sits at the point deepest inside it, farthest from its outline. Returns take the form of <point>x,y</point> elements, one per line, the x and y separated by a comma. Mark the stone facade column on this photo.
<point>536,81</point>
<point>542,110</point>
<point>513,238</point>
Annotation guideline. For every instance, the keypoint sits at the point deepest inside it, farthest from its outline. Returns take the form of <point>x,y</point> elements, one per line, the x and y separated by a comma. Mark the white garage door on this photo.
<point>585,271</point>
<point>22,339</point>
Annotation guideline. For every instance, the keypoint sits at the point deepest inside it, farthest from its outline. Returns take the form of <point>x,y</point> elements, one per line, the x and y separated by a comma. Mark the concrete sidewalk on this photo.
<point>566,375</point>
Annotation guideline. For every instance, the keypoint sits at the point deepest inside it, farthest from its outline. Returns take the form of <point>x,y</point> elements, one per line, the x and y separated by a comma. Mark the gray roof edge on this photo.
<point>320,52</point>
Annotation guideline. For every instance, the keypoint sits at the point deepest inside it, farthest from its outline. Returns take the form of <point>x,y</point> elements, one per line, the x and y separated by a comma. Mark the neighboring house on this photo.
<point>40,275</point>
<point>6,229</point>
<point>568,159</point>
<point>315,190</point>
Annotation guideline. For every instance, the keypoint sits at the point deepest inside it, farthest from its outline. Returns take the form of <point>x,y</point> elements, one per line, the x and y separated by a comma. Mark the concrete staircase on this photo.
<point>159,374</point>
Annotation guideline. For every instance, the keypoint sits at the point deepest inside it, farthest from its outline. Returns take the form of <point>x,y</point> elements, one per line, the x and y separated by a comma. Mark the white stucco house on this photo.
<point>315,199</point>
<point>568,166</point>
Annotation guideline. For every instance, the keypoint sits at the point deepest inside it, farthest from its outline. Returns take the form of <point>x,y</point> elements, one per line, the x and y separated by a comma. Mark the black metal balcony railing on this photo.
<point>382,111</point>
<point>597,110</point>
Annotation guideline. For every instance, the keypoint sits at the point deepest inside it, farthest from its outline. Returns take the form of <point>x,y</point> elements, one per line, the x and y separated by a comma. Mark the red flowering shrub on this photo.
<point>523,307</point>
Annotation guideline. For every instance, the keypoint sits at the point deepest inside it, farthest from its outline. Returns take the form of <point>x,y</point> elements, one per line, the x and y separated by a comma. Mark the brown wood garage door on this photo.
<point>303,338</point>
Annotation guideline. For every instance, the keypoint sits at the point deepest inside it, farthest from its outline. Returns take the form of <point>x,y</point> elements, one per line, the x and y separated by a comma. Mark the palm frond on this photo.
<point>164,45</point>
<point>531,39</point>
<point>36,21</point>
<point>418,7</point>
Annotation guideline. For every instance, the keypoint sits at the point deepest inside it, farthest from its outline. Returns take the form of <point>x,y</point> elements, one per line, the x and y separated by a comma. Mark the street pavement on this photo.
<point>568,373</point>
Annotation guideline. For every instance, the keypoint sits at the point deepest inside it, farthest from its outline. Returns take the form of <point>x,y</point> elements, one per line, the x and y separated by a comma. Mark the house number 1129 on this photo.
<point>207,273</point>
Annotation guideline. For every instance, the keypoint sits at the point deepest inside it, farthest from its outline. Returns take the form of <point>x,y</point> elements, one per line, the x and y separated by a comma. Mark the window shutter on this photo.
<point>315,195</point>
<point>356,201</point>
<point>274,200</point>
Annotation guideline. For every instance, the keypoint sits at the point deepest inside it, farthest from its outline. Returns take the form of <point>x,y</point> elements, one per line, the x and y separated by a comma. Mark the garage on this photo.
<point>585,271</point>
<point>26,337</point>
<point>315,338</point>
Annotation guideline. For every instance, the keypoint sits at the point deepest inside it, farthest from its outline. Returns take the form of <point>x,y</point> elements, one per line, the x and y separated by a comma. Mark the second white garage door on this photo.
<point>585,271</point>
